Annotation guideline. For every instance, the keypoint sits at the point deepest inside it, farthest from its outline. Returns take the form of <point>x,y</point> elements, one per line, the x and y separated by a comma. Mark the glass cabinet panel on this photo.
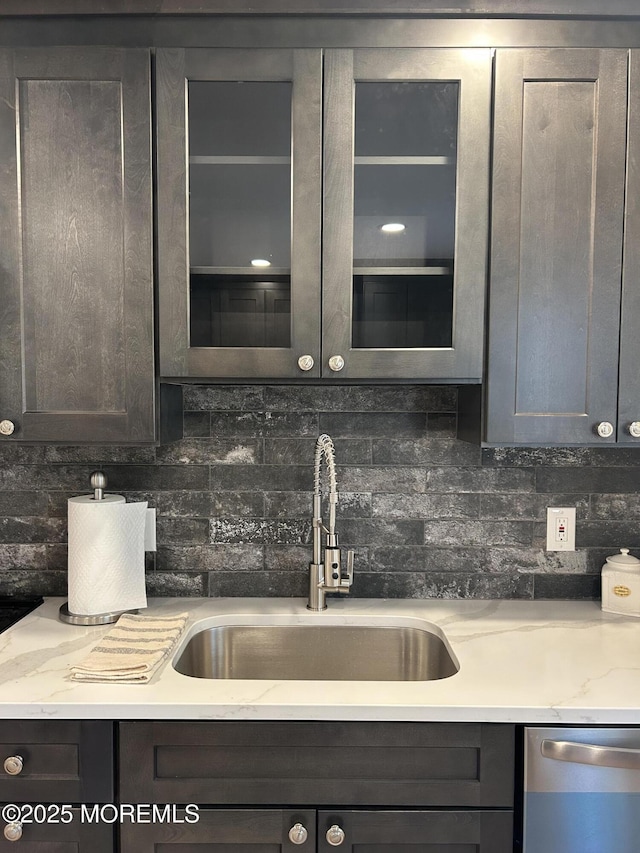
<point>240,213</point>
<point>404,214</point>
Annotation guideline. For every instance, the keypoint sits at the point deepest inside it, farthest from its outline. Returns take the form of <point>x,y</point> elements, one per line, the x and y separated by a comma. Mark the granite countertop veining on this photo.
<point>520,661</point>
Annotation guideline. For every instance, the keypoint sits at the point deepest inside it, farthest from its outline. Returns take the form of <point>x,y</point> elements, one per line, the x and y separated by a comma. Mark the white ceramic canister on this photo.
<point>621,584</point>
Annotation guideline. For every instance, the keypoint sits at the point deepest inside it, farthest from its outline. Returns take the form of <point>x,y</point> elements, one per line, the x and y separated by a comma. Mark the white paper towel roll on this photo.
<point>106,555</point>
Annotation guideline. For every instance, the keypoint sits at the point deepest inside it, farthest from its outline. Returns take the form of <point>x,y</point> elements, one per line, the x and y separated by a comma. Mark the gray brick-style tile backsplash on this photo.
<point>427,515</point>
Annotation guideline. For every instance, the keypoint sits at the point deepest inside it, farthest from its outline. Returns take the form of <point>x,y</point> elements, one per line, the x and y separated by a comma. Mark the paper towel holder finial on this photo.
<point>98,482</point>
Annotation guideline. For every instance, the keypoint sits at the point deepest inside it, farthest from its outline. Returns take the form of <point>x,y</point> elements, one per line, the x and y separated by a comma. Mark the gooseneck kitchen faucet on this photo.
<point>325,570</point>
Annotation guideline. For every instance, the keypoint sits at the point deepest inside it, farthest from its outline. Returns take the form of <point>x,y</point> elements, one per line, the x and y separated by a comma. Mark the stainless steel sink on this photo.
<point>317,652</point>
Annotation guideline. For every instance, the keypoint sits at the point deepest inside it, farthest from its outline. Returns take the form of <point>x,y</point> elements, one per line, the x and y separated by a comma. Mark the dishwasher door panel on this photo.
<point>581,790</point>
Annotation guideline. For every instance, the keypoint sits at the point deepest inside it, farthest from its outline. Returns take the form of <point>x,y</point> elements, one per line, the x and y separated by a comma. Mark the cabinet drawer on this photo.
<point>451,831</point>
<point>298,763</point>
<point>74,837</point>
<point>62,761</point>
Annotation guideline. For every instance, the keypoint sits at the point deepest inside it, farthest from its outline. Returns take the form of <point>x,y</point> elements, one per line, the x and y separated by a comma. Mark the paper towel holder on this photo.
<point>98,482</point>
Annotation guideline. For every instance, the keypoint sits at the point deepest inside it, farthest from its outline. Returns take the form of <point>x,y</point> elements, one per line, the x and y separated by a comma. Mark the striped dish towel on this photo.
<point>132,650</point>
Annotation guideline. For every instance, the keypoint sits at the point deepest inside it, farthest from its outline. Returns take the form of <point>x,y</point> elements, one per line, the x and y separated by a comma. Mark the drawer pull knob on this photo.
<point>634,429</point>
<point>306,362</point>
<point>604,429</point>
<point>6,427</point>
<point>13,765</point>
<point>298,834</point>
<point>335,835</point>
<point>13,831</point>
<point>336,362</point>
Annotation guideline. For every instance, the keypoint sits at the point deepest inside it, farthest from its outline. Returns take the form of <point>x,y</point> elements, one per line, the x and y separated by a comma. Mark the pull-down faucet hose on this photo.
<point>324,447</point>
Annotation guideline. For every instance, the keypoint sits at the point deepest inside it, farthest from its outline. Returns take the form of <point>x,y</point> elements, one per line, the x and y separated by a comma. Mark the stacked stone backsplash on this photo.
<point>428,515</point>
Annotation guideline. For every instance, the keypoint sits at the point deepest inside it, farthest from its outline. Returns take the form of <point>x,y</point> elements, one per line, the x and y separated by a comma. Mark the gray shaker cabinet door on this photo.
<point>629,391</point>
<point>76,305</point>
<point>556,245</point>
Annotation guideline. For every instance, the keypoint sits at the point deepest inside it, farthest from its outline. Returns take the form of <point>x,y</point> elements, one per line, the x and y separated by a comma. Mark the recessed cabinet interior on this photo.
<point>76,315</point>
<point>562,350</point>
<point>322,213</point>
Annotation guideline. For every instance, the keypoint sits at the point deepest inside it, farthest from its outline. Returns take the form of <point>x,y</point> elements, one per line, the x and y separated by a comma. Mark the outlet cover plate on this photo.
<point>561,528</point>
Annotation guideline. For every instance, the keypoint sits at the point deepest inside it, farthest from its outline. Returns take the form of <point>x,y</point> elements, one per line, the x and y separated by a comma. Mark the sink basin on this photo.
<point>314,652</point>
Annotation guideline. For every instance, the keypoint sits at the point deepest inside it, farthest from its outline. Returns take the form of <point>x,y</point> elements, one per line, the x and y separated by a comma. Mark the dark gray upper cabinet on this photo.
<point>556,249</point>
<point>76,303</point>
<point>629,388</point>
<point>274,257</point>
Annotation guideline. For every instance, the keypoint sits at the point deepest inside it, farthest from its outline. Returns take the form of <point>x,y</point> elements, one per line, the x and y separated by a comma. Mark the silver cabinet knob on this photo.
<point>298,834</point>
<point>13,831</point>
<point>336,362</point>
<point>306,362</point>
<point>604,429</point>
<point>335,835</point>
<point>634,429</point>
<point>7,427</point>
<point>13,765</point>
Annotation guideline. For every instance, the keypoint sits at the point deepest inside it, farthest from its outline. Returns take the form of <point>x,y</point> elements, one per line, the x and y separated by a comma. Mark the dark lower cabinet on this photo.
<point>365,787</point>
<point>46,766</point>
<point>256,787</point>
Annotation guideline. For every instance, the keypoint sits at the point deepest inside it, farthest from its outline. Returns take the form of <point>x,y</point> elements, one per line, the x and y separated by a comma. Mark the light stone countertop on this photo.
<point>520,661</point>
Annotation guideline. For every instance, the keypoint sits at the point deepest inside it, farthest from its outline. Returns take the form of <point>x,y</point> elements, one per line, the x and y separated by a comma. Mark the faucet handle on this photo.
<point>348,580</point>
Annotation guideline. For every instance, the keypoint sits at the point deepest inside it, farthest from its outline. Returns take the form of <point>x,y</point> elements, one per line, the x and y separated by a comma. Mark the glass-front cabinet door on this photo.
<point>341,239</point>
<point>239,160</point>
<point>406,156</point>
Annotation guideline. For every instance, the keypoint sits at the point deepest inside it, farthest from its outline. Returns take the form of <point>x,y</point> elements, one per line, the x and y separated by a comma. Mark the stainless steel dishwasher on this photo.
<point>581,790</point>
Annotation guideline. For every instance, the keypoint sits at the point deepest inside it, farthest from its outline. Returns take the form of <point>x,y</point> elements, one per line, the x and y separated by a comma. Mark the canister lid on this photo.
<point>624,559</point>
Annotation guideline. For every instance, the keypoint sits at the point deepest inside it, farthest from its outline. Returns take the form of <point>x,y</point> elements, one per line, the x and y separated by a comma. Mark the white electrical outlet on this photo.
<point>561,528</point>
<point>150,530</point>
